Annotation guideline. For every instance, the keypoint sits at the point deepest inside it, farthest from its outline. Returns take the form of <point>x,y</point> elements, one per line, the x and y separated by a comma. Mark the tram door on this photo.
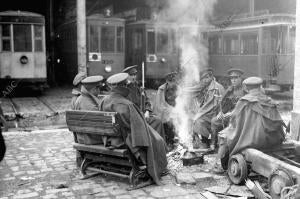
<point>105,45</point>
<point>278,53</point>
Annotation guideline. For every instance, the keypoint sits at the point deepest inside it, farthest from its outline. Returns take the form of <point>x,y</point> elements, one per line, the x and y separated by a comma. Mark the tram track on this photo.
<point>49,106</point>
<point>16,107</point>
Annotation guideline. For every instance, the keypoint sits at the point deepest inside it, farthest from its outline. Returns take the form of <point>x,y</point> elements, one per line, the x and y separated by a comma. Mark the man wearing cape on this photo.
<point>255,123</point>
<point>135,95</point>
<point>144,142</point>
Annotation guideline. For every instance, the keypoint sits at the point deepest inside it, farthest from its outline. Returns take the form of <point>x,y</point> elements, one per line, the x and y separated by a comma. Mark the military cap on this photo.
<point>92,79</point>
<point>204,72</point>
<point>78,78</point>
<point>171,76</point>
<point>235,72</point>
<point>253,81</point>
<point>117,78</point>
<point>131,70</point>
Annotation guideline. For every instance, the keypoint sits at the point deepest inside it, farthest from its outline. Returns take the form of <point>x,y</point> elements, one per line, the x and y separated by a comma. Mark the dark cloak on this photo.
<point>256,123</point>
<point>135,96</point>
<point>138,135</point>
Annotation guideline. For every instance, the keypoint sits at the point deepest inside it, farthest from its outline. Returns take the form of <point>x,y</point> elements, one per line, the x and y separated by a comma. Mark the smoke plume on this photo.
<point>191,16</point>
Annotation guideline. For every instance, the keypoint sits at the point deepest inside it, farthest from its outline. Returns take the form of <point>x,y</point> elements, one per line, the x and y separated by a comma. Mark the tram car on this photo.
<point>155,44</point>
<point>23,49</point>
<point>260,45</point>
<point>105,46</point>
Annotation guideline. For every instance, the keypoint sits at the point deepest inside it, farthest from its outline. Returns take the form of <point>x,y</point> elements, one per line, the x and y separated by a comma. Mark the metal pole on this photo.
<point>251,7</point>
<point>295,123</point>
<point>52,43</point>
<point>81,35</point>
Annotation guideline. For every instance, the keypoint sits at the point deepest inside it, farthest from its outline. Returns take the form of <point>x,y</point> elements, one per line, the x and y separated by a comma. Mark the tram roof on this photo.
<point>255,20</point>
<point>150,22</point>
<point>21,17</point>
<point>20,13</point>
<point>102,17</point>
<point>243,27</point>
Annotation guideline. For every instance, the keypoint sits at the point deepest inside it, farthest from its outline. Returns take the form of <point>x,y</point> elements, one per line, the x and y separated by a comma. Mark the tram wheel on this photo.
<point>237,169</point>
<point>279,179</point>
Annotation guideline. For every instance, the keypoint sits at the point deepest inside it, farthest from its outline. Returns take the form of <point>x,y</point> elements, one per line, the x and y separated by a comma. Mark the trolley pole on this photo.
<point>295,122</point>
<point>81,35</point>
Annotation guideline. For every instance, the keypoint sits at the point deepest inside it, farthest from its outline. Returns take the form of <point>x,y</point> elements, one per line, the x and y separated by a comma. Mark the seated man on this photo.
<point>77,87</point>
<point>228,102</point>
<point>255,123</point>
<point>88,101</point>
<point>164,103</point>
<point>141,100</point>
<point>144,142</point>
<point>208,104</point>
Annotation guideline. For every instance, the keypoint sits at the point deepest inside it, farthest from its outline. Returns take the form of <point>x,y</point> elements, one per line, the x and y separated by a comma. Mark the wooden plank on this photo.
<point>95,131</point>
<point>80,112</point>
<point>94,118</point>
<point>79,122</point>
<point>109,159</point>
<point>100,149</point>
<point>89,123</point>
<point>90,116</point>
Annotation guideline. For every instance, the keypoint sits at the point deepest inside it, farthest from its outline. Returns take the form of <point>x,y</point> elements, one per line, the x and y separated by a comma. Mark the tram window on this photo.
<point>137,39</point>
<point>249,44</point>
<point>22,38</point>
<point>150,41</point>
<point>6,37</point>
<point>203,37</point>
<point>215,44</point>
<point>173,41</point>
<point>120,39</point>
<point>38,38</point>
<point>278,39</point>
<point>291,45</point>
<point>94,39</point>
<point>162,41</point>
<point>108,39</point>
<point>231,44</point>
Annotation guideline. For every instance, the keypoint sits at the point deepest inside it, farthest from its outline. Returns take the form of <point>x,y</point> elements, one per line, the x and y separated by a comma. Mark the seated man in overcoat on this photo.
<point>232,94</point>
<point>88,101</point>
<point>255,123</point>
<point>147,146</point>
<point>140,99</point>
<point>206,108</point>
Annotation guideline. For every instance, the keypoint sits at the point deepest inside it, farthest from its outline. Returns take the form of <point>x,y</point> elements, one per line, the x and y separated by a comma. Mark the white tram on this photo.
<point>22,49</point>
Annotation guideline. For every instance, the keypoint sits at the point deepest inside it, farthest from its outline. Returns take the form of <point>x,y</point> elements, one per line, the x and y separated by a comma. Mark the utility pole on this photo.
<point>81,35</point>
<point>295,123</point>
<point>51,57</point>
<point>251,7</point>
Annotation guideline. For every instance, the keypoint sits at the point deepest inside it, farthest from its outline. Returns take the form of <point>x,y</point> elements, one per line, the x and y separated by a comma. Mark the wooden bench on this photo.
<point>99,158</point>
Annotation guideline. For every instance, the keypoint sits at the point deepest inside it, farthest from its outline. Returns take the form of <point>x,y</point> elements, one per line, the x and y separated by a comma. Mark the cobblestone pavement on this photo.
<point>41,165</point>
